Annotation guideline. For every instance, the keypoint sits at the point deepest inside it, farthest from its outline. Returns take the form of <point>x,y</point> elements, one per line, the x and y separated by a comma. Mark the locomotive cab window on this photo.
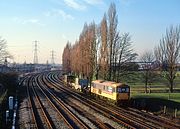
<point>109,89</point>
<point>122,90</point>
<point>93,85</point>
<point>127,89</point>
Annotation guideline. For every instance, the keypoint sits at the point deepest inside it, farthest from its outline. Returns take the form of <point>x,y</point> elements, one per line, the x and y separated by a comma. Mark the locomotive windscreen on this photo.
<point>123,89</point>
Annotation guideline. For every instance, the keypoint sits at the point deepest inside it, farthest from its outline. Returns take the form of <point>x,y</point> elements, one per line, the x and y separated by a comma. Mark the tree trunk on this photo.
<point>110,68</point>
<point>97,75</point>
<point>146,81</point>
<point>146,86</point>
<point>171,86</point>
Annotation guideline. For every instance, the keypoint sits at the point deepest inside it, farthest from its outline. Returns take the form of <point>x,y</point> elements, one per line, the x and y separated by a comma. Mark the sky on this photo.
<point>54,22</point>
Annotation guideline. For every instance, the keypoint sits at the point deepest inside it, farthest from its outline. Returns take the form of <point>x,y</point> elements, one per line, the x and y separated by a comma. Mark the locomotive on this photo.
<point>118,92</point>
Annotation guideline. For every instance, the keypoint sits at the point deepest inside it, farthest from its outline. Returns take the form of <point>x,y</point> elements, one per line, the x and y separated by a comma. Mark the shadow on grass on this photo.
<point>154,104</point>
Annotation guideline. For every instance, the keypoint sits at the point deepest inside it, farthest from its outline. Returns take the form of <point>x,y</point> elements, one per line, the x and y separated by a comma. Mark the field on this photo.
<point>155,90</point>
<point>158,99</point>
<point>167,96</point>
<point>159,88</point>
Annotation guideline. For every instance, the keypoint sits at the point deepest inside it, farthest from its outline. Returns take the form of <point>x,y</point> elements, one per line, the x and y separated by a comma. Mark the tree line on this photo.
<point>103,52</point>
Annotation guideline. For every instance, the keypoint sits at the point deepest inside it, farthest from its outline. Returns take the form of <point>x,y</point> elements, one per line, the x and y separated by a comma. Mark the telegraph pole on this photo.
<point>35,53</point>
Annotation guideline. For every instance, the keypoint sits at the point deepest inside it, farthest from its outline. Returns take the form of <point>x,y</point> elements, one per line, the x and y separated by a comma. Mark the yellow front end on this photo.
<point>123,96</point>
<point>108,95</point>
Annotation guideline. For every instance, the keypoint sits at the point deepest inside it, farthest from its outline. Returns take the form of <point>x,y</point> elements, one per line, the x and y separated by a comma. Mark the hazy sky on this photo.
<point>53,22</point>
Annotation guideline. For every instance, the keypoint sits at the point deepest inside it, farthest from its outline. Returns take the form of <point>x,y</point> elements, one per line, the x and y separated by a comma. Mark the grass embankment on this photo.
<point>158,100</point>
<point>158,91</point>
<point>2,96</point>
<point>166,96</point>
<point>10,83</point>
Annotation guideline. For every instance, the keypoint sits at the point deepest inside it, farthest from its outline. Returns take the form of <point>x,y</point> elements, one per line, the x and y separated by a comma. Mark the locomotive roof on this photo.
<point>110,83</point>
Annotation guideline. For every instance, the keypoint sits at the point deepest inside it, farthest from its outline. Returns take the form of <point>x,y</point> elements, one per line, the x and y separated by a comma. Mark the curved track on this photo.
<point>140,119</point>
<point>71,120</point>
<point>53,105</point>
<point>47,111</point>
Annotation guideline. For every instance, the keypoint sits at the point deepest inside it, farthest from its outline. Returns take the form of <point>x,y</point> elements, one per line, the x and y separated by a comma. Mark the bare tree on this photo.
<point>3,51</point>
<point>101,48</point>
<point>81,58</point>
<point>147,59</point>
<point>125,56</point>
<point>116,49</point>
<point>66,58</point>
<point>103,59</point>
<point>91,53</point>
<point>168,54</point>
<point>112,32</point>
<point>74,54</point>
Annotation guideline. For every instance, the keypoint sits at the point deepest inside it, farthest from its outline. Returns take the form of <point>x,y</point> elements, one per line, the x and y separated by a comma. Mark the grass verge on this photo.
<point>167,96</point>
<point>158,103</point>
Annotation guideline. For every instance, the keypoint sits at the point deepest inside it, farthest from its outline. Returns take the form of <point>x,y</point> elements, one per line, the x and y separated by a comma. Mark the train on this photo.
<point>115,92</point>
<point>118,92</point>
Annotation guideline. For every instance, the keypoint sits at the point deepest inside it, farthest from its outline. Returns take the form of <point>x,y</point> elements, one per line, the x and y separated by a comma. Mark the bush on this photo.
<point>10,82</point>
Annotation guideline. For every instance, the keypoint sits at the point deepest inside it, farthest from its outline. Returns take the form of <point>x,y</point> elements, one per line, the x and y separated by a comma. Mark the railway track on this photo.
<point>153,118</point>
<point>38,112</point>
<point>106,112</point>
<point>44,114</point>
<point>42,102</point>
<point>97,122</point>
<point>30,106</point>
<point>143,117</point>
<point>33,120</point>
<point>69,118</point>
<point>55,106</point>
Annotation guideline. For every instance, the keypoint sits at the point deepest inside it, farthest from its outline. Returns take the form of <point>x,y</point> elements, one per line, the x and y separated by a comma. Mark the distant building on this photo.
<point>29,68</point>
